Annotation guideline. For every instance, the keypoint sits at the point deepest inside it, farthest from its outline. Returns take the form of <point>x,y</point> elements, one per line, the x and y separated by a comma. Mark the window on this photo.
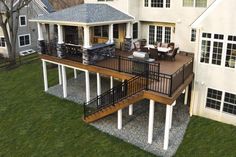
<point>231,52</point>
<point>195,3</point>
<point>101,31</point>
<point>145,3</point>
<point>24,40</point>
<point>22,21</point>
<point>151,35</point>
<point>212,48</point>
<point>104,0</point>
<point>222,101</point>
<point>159,34</point>
<point>193,35</point>
<point>160,3</point>
<point>135,30</point>
<point>2,42</point>
<point>116,31</point>
<point>230,103</point>
<point>213,99</point>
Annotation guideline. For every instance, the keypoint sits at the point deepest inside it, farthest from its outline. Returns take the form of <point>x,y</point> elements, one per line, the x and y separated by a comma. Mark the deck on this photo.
<point>173,76</point>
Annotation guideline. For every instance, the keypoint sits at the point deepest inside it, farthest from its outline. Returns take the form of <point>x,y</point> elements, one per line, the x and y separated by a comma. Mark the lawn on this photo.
<point>33,123</point>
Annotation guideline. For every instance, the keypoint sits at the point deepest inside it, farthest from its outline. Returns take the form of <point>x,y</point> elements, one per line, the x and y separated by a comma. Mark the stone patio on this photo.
<point>135,127</point>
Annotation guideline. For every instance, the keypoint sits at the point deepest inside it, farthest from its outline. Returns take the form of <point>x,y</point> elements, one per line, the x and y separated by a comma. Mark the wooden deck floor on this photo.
<point>166,66</point>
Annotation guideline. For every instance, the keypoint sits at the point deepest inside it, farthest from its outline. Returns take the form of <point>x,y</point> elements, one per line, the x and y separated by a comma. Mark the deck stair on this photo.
<point>119,97</point>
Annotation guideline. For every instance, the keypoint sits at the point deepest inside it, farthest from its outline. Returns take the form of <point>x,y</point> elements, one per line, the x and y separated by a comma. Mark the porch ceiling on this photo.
<point>86,14</point>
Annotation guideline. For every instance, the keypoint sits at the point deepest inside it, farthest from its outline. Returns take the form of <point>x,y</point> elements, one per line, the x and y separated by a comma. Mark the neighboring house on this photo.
<point>27,33</point>
<point>88,36</point>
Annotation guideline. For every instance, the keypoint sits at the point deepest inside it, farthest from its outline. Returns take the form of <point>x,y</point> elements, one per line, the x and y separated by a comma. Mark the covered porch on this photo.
<point>94,33</point>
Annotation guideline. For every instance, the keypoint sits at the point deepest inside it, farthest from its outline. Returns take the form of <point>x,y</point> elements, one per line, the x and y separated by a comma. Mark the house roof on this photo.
<point>47,6</point>
<point>86,14</point>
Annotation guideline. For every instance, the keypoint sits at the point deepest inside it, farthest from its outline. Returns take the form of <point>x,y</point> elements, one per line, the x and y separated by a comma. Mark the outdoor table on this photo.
<point>163,49</point>
<point>150,46</point>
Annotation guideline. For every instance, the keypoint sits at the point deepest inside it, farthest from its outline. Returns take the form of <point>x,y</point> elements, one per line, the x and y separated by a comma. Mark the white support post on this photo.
<point>151,121</point>
<point>171,114</point>
<point>167,126</point>
<point>86,37</point>
<point>64,81</point>
<point>112,82</point>
<point>40,32</point>
<point>59,74</point>
<point>75,74</point>
<point>131,109</point>
<point>99,90</point>
<point>60,34</point>
<point>45,76</point>
<point>111,36</point>
<point>186,95</point>
<point>119,119</point>
<point>87,82</point>
<point>128,30</point>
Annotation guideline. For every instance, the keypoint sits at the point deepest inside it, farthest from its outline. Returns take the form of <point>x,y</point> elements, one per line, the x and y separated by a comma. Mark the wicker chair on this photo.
<point>171,55</point>
<point>144,49</point>
<point>153,53</point>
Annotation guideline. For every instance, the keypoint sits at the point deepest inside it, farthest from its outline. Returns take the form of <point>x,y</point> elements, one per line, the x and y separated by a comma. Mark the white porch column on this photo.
<point>186,96</point>
<point>64,81</point>
<point>87,82</point>
<point>45,76</point>
<point>40,32</point>
<point>128,30</point>
<point>99,90</point>
<point>119,119</point>
<point>111,82</point>
<point>167,126</point>
<point>75,74</point>
<point>60,34</point>
<point>171,114</point>
<point>111,38</point>
<point>86,37</point>
<point>131,109</point>
<point>151,121</point>
<point>59,75</point>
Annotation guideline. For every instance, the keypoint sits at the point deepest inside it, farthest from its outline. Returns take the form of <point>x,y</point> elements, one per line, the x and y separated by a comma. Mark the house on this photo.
<point>27,33</point>
<point>100,39</point>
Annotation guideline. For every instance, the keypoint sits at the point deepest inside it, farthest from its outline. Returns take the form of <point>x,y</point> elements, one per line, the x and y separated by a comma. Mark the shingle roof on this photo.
<point>87,13</point>
<point>48,6</point>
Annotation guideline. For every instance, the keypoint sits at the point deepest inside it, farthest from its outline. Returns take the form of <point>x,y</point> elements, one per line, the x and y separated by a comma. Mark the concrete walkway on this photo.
<point>135,127</point>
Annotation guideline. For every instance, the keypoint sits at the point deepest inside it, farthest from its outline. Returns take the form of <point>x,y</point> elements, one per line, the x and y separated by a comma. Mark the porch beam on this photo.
<point>111,36</point>
<point>186,95</point>
<point>128,30</point>
<point>131,109</point>
<point>119,117</point>
<point>75,74</point>
<point>64,81</point>
<point>59,74</point>
<point>111,82</point>
<point>151,121</point>
<point>99,90</point>
<point>60,34</point>
<point>87,84</point>
<point>45,76</point>
<point>86,36</point>
<point>40,31</point>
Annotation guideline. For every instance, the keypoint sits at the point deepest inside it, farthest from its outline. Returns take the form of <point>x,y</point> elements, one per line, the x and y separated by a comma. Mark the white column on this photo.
<point>151,121</point>
<point>171,115</point>
<point>75,73</point>
<point>87,86</point>
<point>119,119</point>
<point>45,76</point>
<point>111,82</point>
<point>40,32</point>
<point>186,96</point>
<point>167,127</point>
<point>131,109</point>
<point>128,30</point>
<point>111,39</point>
<point>60,34</point>
<point>86,37</point>
<point>99,90</point>
<point>64,81</point>
<point>59,75</point>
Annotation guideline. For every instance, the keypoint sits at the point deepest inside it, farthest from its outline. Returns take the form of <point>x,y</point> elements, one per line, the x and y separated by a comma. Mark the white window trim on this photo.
<point>20,20</point>
<point>24,35</point>
<point>221,103</point>
<point>163,32</point>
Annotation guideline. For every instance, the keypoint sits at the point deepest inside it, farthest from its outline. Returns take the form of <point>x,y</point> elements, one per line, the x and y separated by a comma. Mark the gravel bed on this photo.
<point>135,127</point>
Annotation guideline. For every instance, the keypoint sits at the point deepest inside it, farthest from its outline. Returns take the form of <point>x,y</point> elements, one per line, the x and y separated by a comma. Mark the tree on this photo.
<point>9,22</point>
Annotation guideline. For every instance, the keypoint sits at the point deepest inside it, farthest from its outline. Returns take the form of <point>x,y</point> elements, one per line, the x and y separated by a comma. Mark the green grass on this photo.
<point>33,123</point>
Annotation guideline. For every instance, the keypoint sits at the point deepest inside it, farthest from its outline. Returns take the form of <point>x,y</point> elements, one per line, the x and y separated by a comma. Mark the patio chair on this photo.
<point>171,45</point>
<point>171,55</point>
<point>158,44</point>
<point>153,53</point>
<point>136,46</point>
<point>164,45</point>
<point>144,49</point>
